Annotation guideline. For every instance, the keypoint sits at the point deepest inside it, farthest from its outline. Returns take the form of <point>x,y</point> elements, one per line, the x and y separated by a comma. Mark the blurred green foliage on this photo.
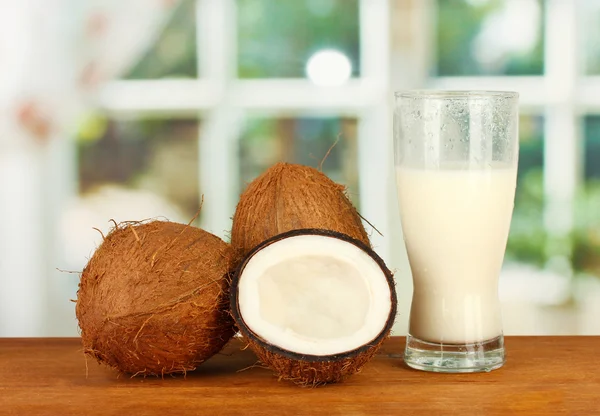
<point>303,140</point>
<point>528,237</point>
<point>527,240</point>
<point>173,54</point>
<point>586,235</point>
<point>592,34</point>
<point>276,38</point>
<point>592,146</point>
<point>458,25</point>
<point>152,153</point>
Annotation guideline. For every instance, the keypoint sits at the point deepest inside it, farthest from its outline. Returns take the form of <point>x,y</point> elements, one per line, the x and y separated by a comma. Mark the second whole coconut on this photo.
<point>289,197</point>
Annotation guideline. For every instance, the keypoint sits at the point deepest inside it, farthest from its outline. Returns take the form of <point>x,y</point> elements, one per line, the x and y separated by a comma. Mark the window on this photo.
<point>286,90</point>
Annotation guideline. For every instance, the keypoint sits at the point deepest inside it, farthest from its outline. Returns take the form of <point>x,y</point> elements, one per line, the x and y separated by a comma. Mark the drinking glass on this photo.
<point>456,155</point>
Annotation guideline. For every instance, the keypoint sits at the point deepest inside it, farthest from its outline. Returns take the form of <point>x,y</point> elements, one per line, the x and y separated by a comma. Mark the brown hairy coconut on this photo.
<point>153,298</point>
<point>289,197</point>
<point>314,305</point>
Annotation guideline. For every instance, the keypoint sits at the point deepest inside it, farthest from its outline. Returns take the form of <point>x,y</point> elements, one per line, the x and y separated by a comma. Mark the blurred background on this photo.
<point>132,109</point>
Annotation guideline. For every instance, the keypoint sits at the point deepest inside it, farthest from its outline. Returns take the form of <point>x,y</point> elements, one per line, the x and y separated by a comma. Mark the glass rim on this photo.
<point>455,94</point>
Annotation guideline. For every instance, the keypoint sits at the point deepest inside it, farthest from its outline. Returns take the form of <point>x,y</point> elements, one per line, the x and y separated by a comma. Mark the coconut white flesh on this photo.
<point>313,294</point>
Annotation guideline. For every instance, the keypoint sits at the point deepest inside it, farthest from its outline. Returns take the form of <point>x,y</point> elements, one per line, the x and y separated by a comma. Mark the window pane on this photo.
<point>173,55</point>
<point>277,38</point>
<point>141,161</point>
<point>592,147</point>
<point>592,37</point>
<point>305,141</point>
<point>490,37</point>
<point>130,170</point>
<point>527,240</point>
<point>586,240</point>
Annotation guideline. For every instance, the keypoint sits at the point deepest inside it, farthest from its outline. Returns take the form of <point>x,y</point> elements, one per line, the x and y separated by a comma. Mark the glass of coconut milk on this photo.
<point>456,156</point>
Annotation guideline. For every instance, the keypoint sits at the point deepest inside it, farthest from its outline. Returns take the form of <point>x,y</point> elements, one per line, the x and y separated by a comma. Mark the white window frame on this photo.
<point>563,94</point>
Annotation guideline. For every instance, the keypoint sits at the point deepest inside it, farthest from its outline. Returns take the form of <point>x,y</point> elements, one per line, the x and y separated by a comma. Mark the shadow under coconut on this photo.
<point>231,360</point>
<point>229,366</point>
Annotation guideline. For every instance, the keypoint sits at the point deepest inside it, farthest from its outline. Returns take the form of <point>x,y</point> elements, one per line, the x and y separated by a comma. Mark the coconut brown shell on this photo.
<point>307,371</point>
<point>153,298</point>
<point>303,369</point>
<point>289,197</point>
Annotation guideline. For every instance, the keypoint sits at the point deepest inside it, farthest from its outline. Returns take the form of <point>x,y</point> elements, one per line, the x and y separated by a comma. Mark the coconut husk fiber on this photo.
<point>153,298</point>
<point>288,197</point>
<point>309,371</point>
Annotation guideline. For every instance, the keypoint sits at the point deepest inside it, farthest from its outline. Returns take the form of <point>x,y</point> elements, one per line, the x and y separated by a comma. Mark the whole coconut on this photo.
<point>289,197</point>
<point>153,298</point>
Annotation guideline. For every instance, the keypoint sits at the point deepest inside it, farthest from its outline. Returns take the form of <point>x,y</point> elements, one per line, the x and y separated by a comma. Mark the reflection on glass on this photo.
<point>277,38</point>
<point>305,141</point>
<point>173,54</point>
<point>527,239</point>
<point>490,37</point>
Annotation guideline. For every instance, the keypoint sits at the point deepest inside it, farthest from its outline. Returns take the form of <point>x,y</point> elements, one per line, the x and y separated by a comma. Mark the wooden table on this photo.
<point>543,375</point>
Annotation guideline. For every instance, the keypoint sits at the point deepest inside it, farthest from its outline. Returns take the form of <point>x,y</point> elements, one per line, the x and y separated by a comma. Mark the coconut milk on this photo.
<point>455,223</point>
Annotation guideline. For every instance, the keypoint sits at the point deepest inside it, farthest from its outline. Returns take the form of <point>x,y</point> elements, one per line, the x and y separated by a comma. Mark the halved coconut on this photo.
<point>314,305</point>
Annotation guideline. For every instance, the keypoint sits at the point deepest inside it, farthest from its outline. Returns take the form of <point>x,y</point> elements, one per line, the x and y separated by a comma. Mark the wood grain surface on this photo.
<point>543,376</point>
